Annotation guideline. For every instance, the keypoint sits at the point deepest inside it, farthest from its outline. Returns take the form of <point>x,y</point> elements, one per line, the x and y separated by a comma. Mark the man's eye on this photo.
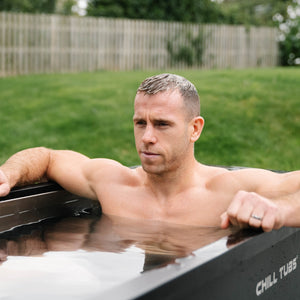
<point>140,123</point>
<point>162,124</point>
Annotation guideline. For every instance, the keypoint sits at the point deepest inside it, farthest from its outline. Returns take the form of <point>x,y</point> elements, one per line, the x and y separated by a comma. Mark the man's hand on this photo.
<point>4,184</point>
<point>250,209</point>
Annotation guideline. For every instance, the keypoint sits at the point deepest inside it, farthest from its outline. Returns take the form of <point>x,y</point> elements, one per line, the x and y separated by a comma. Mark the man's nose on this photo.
<point>149,135</point>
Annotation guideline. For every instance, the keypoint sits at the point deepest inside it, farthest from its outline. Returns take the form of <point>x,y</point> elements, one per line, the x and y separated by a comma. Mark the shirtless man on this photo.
<point>170,185</point>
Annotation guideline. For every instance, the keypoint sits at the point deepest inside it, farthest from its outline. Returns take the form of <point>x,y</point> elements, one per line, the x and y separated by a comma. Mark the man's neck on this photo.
<point>171,183</point>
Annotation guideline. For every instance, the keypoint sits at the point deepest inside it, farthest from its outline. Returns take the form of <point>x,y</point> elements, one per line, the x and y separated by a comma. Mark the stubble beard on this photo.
<point>153,168</point>
<point>164,167</point>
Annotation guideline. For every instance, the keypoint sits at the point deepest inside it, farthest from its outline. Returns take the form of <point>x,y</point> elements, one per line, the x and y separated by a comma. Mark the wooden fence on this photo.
<point>51,43</point>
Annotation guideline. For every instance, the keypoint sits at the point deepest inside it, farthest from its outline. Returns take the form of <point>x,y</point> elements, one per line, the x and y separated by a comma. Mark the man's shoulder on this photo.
<point>238,172</point>
<point>220,178</point>
<point>212,171</point>
<point>108,170</point>
<point>250,179</point>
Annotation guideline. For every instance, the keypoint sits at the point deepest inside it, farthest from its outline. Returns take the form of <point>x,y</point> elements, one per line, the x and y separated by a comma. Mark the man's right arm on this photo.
<point>67,168</point>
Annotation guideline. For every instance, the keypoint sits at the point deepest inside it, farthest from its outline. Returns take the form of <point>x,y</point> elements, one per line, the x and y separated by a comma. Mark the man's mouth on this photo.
<point>148,154</point>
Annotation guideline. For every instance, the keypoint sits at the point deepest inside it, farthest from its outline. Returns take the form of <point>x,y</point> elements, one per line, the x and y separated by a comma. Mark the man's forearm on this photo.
<point>290,204</point>
<point>27,166</point>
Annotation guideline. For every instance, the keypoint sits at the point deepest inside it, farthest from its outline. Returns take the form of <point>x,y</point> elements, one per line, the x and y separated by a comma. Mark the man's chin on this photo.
<point>152,169</point>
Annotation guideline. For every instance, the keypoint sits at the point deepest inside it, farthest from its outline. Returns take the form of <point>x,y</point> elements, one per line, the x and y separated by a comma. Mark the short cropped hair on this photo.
<point>170,82</point>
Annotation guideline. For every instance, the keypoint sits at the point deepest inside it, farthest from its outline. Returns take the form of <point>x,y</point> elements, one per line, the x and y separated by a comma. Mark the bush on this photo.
<point>289,41</point>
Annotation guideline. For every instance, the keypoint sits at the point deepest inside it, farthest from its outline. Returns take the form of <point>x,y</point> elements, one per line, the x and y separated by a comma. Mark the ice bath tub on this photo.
<point>77,253</point>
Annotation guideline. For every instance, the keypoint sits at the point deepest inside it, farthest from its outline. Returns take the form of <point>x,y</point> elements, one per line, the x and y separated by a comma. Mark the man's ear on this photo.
<point>197,125</point>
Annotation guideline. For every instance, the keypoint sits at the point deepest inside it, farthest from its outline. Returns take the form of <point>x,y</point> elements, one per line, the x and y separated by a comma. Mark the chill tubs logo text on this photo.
<point>273,278</point>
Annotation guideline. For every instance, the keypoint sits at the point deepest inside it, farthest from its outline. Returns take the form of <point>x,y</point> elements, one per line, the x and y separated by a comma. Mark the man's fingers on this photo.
<point>4,184</point>
<point>225,222</point>
<point>3,178</point>
<point>251,209</point>
<point>235,205</point>
<point>241,209</point>
<point>233,209</point>
<point>4,189</point>
<point>273,219</point>
<point>257,215</point>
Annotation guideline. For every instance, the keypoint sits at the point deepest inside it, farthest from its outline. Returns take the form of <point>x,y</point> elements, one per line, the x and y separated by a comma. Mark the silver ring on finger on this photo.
<point>256,217</point>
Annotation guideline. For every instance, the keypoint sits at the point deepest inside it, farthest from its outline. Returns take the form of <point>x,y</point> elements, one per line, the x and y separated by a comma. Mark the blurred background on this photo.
<point>69,71</point>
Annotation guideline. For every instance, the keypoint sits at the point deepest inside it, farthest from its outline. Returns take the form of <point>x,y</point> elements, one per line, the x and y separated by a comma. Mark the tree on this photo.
<point>254,12</point>
<point>203,11</point>
<point>65,7</point>
<point>29,6</point>
<point>289,37</point>
<point>282,14</point>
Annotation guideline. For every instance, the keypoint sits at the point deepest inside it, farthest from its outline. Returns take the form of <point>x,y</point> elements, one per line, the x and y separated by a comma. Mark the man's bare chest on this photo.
<point>200,206</point>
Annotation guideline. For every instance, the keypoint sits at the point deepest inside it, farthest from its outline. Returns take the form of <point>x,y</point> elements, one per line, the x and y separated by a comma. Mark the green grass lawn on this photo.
<point>252,116</point>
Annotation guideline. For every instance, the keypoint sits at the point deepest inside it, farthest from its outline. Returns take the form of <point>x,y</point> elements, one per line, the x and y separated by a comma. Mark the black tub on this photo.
<point>226,265</point>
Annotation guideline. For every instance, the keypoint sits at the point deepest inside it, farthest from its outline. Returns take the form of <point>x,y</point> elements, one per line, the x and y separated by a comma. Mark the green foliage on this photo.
<point>269,13</point>
<point>67,6</point>
<point>254,12</point>
<point>290,42</point>
<point>251,116</point>
<point>170,10</point>
<point>190,52</point>
<point>28,6</point>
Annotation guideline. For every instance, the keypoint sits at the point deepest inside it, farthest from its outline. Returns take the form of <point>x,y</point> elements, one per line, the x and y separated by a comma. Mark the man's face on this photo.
<point>162,132</point>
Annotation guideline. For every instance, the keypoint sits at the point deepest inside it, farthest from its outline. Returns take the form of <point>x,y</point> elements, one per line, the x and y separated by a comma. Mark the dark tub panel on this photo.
<point>38,202</point>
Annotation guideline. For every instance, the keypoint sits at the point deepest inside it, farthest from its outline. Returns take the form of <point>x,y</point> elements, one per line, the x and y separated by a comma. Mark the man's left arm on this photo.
<point>268,200</point>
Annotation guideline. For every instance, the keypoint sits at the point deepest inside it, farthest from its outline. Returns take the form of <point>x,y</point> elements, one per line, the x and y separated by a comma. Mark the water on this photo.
<point>79,257</point>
